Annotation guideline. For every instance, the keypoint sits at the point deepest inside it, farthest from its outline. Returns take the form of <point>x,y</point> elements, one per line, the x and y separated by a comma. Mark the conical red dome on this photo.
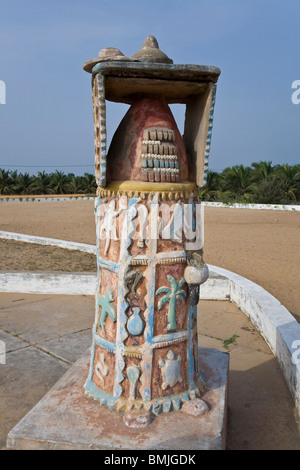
<point>147,130</point>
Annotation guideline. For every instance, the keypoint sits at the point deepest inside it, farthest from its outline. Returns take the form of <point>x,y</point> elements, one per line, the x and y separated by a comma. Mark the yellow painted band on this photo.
<point>146,186</point>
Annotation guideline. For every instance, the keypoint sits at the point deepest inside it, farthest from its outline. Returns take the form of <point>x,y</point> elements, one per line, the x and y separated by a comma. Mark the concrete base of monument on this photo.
<point>65,419</point>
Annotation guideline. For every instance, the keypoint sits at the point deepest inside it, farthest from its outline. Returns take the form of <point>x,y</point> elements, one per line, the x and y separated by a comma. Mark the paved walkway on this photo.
<point>45,334</point>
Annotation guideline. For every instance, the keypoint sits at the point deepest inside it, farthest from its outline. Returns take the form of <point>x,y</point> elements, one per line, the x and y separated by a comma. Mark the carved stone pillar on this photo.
<point>149,238</point>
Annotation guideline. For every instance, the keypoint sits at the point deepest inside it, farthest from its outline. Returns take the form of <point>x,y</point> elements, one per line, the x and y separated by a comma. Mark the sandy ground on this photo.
<point>261,245</point>
<point>19,256</point>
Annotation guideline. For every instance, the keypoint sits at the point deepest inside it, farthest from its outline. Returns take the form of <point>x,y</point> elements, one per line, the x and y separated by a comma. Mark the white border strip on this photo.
<point>21,237</point>
<point>54,283</point>
<point>239,205</point>
<point>278,327</point>
<point>44,198</point>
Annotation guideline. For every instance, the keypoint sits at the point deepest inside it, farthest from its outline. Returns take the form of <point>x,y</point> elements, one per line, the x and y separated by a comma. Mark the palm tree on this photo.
<point>262,170</point>
<point>41,183</point>
<point>290,178</point>
<point>23,184</point>
<point>14,176</point>
<point>173,295</point>
<point>269,191</point>
<point>89,183</point>
<point>238,180</point>
<point>268,188</point>
<point>75,185</point>
<point>59,182</point>
<point>212,186</point>
<point>6,182</point>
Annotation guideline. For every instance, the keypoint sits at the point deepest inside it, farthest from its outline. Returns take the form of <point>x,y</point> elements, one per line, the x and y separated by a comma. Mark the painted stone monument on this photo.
<point>149,230</point>
<point>144,370</point>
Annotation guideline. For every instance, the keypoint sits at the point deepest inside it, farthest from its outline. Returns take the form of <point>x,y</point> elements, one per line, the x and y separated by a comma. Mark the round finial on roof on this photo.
<point>150,42</point>
<point>110,53</point>
<point>150,52</point>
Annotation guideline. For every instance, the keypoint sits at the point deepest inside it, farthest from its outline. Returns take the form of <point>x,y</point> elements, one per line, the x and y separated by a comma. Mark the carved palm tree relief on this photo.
<point>173,295</point>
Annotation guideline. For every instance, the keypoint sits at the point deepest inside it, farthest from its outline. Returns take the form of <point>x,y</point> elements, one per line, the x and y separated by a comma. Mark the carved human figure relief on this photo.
<point>107,308</point>
<point>108,229</point>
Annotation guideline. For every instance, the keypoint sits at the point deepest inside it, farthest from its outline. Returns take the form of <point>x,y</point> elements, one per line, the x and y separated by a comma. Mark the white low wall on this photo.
<point>21,237</point>
<point>56,283</point>
<point>239,205</point>
<point>44,198</point>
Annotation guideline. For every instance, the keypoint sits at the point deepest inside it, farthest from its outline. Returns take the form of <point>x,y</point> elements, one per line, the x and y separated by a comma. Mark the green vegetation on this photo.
<point>260,183</point>
<point>14,183</point>
<point>229,341</point>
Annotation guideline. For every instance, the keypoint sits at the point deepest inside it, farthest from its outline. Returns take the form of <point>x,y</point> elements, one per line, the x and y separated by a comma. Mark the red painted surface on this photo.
<point>124,157</point>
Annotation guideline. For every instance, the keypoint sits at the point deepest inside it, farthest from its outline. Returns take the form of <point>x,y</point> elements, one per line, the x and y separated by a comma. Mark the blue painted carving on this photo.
<point>105,302</point>
<point>209,132</point>
<point>135,324</point>
<point>122,333</point>
<point>133,373</point>
<point>118,348</point>
<point>101,152</point>
<point>173,295</point>
<point>170,369</point>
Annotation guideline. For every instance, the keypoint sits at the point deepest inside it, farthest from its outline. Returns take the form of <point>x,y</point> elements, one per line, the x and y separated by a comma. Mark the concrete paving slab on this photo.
<point>70,347</point>
<point>259,396</point>
<point>39,318</point>
<point>223,320</point>
<point>25,378</point>
<point>66,419</point>
<point>209,342</point>
<point>8,300</point>
<point>11,342</point>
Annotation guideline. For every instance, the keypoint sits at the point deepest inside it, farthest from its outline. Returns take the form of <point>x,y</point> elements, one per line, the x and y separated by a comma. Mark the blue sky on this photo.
<point>46,123</point>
